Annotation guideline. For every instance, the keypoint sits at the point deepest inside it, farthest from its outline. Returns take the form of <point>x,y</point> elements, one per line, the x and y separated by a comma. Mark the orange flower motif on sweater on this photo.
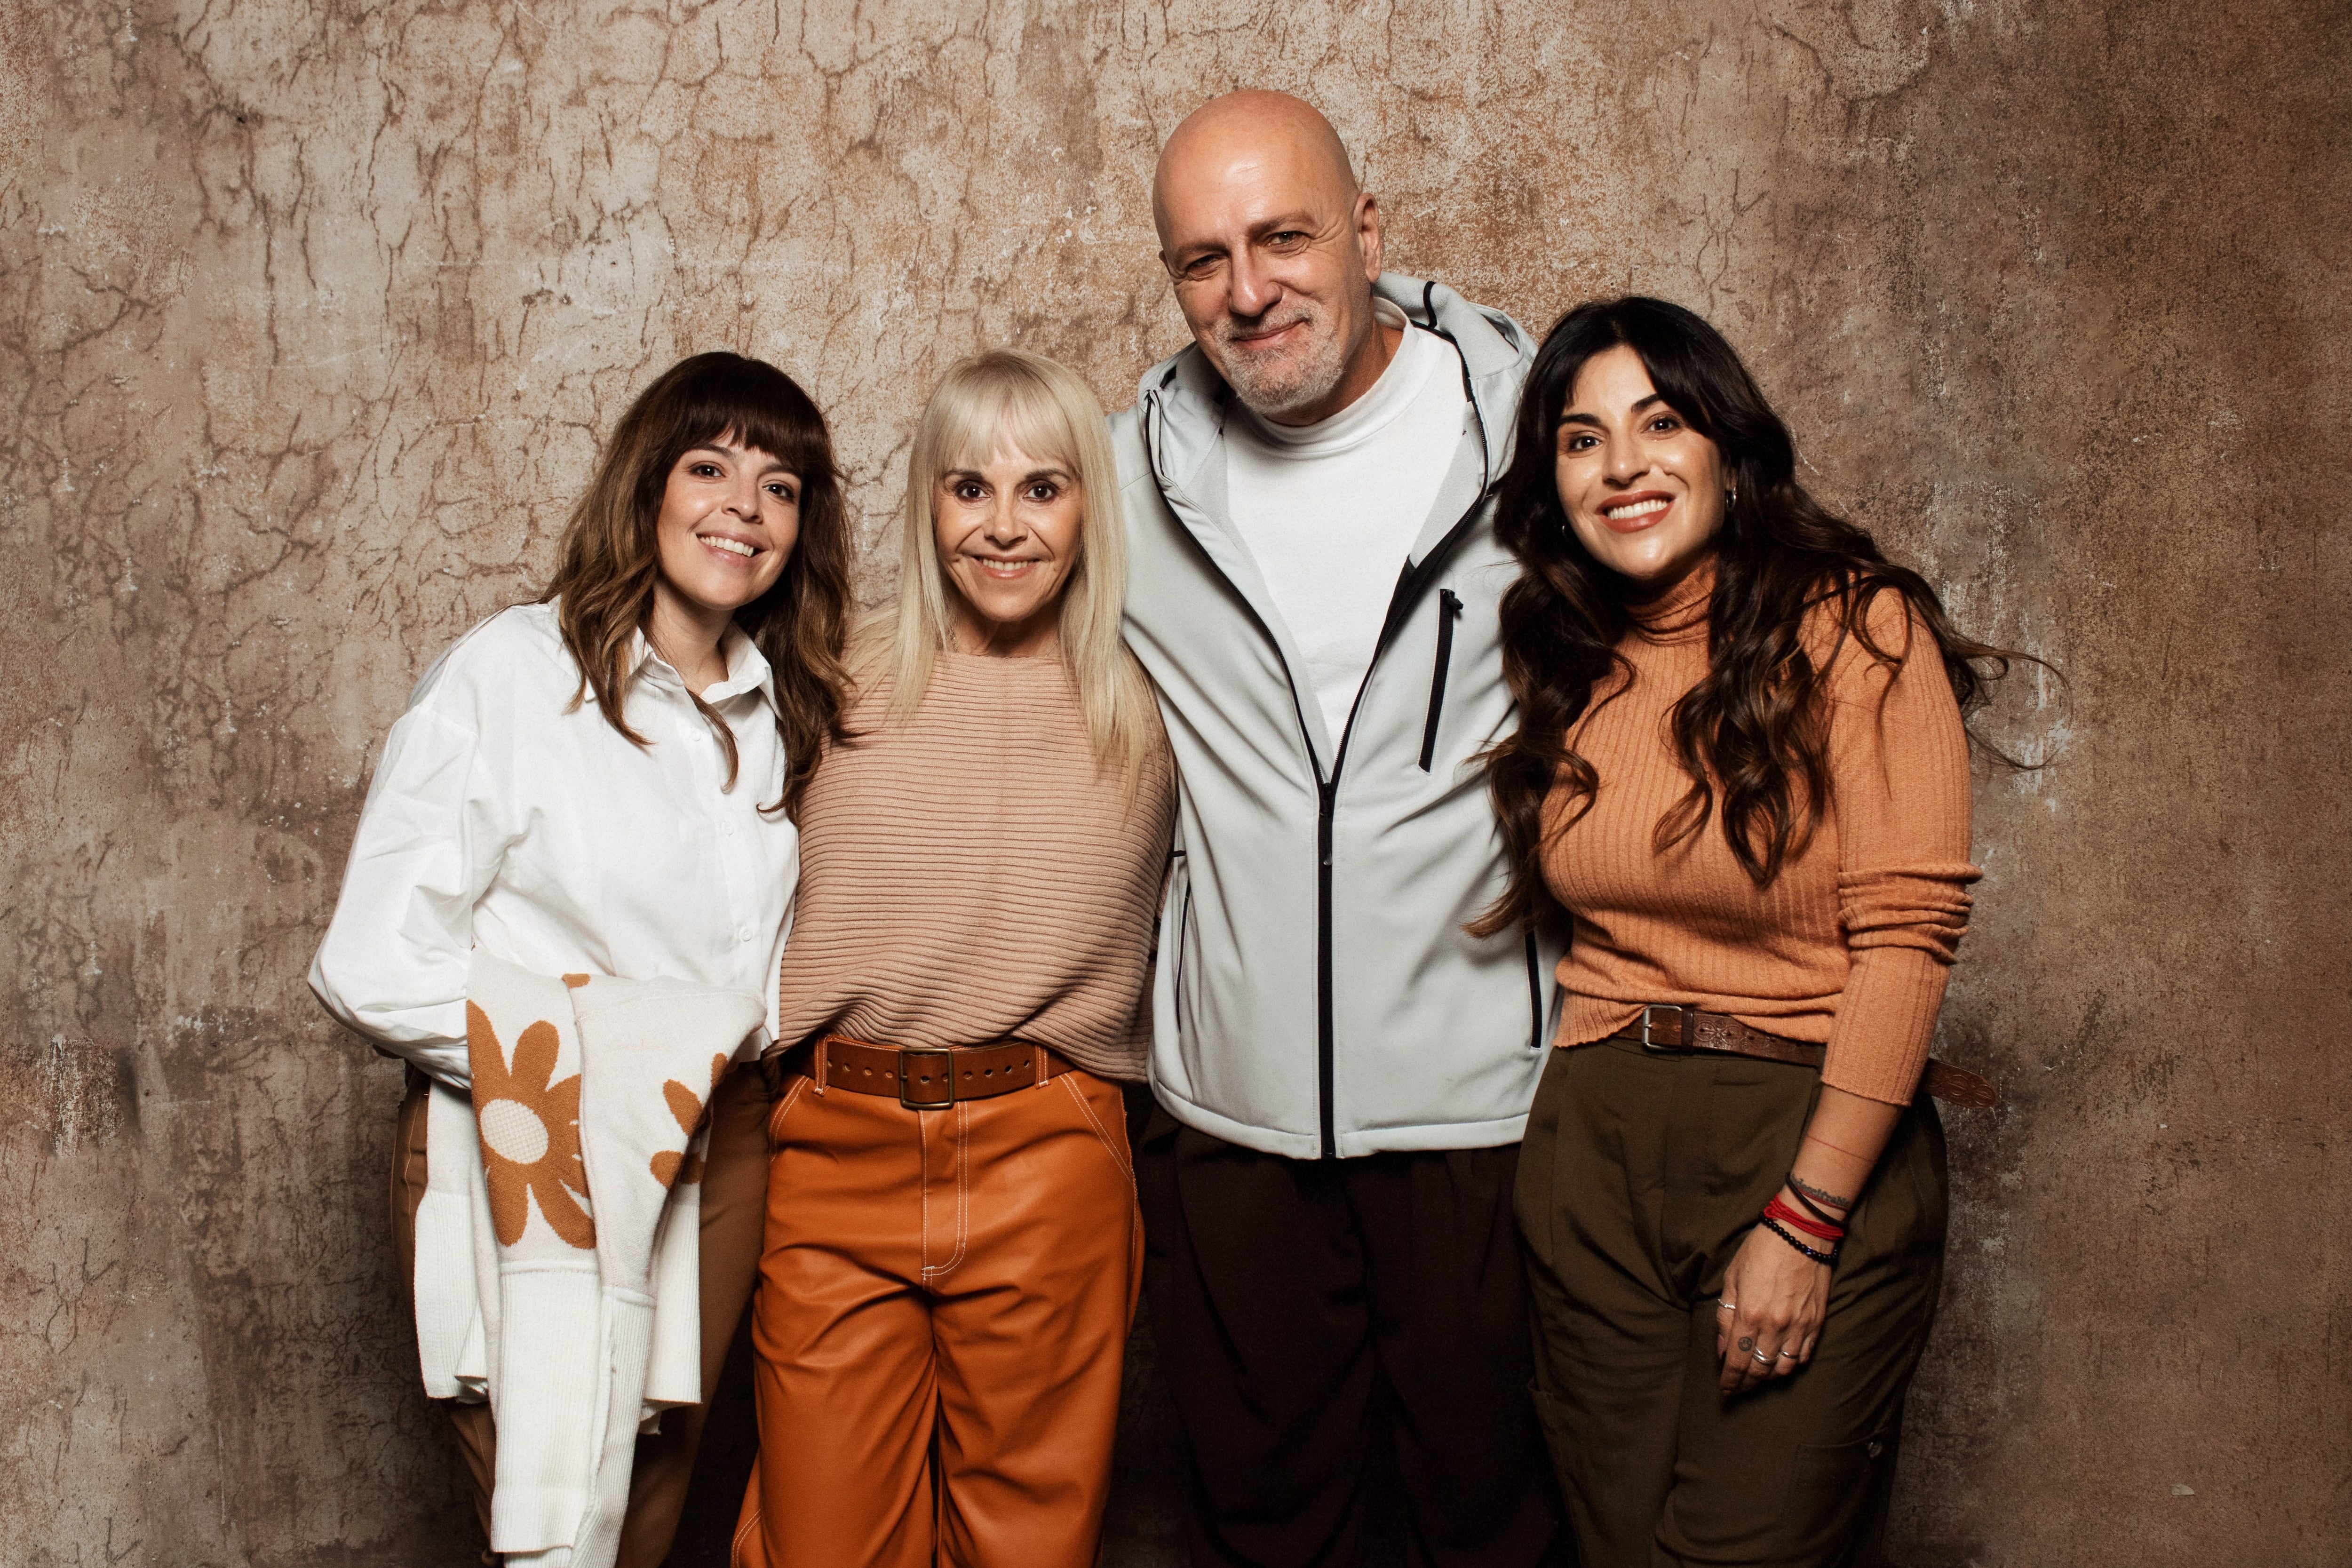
<point>670,1166</point>
<point>530,1134</point>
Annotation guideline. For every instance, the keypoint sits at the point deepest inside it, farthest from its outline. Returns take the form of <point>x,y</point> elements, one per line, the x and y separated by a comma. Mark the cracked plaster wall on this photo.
<point>311,314</point>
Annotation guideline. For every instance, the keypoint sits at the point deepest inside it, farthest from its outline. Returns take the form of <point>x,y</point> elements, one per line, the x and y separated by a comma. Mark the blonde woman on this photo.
<point>952,1245</point>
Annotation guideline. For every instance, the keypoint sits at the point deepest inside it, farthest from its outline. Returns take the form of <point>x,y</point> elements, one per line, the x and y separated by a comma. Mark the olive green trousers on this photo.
<point>1640,1176</point>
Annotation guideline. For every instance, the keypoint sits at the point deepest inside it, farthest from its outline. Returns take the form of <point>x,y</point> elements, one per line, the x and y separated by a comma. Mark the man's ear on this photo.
<point>1367,232</point>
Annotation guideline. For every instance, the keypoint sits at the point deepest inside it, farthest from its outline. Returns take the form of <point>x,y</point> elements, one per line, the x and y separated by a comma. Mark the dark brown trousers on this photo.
<point>734,1214</point>
<point>1641,1175</point>
<point>1340,1337</point>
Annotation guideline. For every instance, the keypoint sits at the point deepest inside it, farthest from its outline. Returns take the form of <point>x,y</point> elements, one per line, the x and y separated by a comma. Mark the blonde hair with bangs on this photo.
<point>1011,399</point>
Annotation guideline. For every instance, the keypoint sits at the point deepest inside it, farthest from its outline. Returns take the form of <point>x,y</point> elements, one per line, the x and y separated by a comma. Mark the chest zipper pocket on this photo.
<point>1534,995</point>
<point>1180,901</point>
<point>1449,610</point>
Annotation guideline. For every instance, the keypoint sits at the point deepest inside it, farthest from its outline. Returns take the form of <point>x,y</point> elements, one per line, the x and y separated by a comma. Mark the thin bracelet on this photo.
<point>1819,1213</point>
<point>1777,1228</point>
<point>1813,1137</point>
<point>1805,1189</point>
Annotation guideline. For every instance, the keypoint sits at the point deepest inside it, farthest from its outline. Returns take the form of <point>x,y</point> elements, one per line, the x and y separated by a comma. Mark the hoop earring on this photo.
<point>1732,498</point>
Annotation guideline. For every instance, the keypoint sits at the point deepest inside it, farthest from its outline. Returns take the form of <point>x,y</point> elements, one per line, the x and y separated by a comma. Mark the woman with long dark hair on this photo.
<point>1742,769</point>
<point>606,782</point>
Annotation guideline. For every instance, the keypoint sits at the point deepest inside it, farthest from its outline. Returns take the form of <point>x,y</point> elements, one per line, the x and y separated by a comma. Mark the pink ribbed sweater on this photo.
<point>970,876</point>
<point>1850,944</point>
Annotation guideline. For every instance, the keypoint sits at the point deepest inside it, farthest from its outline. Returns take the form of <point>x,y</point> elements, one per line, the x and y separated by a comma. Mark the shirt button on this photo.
<point>744,933</point>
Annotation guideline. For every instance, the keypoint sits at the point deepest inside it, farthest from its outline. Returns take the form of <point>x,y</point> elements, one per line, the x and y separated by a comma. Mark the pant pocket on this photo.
<point>1536,1181</point>
<point>1551,1415</point>
<point>1835,1504</point>
<point>783,1111</point>
<point>1104,1114</point>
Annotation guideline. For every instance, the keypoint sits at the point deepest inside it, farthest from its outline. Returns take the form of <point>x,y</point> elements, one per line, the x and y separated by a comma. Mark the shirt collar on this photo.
<point>748,670</point>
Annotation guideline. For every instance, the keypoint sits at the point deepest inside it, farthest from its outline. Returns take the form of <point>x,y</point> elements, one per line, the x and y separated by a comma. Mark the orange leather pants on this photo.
<point>940,1319</point>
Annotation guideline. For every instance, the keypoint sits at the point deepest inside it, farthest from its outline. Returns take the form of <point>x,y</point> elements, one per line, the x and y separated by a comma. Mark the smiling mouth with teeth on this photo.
<point>1638,509</point>
<point>732,546</point>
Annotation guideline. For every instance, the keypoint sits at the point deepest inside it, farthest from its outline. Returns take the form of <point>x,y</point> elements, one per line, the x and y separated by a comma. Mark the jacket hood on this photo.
<point>1180,401</point>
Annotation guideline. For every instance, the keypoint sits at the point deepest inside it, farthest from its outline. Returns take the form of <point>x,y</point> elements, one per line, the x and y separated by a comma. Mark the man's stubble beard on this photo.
<point>1275,385</point>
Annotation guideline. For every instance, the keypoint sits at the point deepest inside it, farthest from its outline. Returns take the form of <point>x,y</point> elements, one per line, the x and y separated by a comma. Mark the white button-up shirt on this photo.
<point>499,818</point>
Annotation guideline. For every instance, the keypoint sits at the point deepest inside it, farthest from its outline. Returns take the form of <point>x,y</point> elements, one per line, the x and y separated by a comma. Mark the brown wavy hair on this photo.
<point>1754,728</point>
<point>604,583</point>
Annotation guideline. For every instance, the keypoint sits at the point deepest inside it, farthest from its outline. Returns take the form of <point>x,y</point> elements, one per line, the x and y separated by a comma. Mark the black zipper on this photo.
<point>1326,1075</point>
<point>1449,606</point>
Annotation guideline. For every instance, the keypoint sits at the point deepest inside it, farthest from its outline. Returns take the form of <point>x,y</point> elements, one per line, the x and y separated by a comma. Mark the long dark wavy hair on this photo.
<point>1754,728</point>
<point>610,557</point>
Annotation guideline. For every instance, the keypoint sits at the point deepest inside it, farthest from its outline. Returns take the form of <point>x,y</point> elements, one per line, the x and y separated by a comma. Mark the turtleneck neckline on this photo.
<point>1679,614</point>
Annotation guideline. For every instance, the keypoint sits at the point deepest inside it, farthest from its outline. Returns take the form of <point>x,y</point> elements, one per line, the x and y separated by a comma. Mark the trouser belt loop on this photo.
<point>820,1060</point>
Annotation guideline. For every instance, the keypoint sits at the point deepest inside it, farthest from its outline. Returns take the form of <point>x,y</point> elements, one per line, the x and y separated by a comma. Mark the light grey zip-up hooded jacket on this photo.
<point>1317,995</point>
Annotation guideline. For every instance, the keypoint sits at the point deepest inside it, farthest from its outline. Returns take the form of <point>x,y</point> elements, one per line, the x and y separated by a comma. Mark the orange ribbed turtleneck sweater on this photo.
<point>970,875</point>
<point>1850,944</point>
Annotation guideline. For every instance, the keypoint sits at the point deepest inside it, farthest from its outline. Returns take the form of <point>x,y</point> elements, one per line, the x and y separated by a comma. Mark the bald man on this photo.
<point>1342,1074</point>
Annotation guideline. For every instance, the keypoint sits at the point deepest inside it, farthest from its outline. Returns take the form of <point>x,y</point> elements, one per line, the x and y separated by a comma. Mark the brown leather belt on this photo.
<point>1669,1030</point>
<point>921,1078</point>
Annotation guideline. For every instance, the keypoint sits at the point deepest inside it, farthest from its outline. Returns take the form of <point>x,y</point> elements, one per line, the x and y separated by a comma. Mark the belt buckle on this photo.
<point>947,1076</point>
<point>1682,1029</point>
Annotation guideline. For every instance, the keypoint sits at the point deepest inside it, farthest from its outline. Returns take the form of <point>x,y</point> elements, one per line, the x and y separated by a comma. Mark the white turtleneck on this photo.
<point>1330,511</point>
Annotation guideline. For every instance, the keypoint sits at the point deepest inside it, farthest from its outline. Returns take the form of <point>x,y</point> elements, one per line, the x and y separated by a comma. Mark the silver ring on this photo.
<point>1788,1355</point>
<point>1761,1356</point>
<point>1722,1306</point>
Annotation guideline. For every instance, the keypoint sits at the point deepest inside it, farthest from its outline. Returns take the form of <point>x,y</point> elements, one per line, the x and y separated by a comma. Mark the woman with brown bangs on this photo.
<point>606,782</point>
<point>1742,770</point>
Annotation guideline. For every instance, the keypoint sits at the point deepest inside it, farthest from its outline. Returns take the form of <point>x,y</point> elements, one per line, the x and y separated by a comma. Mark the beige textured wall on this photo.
<point>311,314</point>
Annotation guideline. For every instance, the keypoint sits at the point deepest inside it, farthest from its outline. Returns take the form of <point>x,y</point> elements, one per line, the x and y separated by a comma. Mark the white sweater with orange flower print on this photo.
<point>556,1244</point>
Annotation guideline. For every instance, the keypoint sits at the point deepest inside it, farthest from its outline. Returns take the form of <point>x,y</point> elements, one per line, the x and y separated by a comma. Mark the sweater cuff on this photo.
<point>1885,1021</point>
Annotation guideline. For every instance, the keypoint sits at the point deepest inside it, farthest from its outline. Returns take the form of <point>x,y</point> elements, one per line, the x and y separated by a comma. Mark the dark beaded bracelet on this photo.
<point>1783,1232</point>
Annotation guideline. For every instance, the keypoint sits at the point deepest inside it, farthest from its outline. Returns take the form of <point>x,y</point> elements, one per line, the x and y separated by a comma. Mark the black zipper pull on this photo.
<point>1449,609</point>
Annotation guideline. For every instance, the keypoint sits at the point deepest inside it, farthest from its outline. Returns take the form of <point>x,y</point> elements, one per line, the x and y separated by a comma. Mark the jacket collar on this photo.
<point>1181,401</point>
<point>1181,410</point>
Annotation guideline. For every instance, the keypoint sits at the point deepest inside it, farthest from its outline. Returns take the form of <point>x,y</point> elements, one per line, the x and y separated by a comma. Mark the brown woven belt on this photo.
<point>921,1078</point>
<point>1669,1029</point>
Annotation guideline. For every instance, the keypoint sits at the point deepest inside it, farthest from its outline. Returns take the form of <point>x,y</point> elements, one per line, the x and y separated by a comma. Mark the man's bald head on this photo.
<point>1274,249</point>
<point>1248,130</point>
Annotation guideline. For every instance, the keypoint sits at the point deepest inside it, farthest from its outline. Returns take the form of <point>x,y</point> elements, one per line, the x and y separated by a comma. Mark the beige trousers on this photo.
<point>734,1213</point>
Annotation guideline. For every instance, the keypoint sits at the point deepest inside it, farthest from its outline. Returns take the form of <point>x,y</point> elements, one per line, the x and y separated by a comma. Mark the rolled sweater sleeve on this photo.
<point>395,960</point>
<point>1899,784</point>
